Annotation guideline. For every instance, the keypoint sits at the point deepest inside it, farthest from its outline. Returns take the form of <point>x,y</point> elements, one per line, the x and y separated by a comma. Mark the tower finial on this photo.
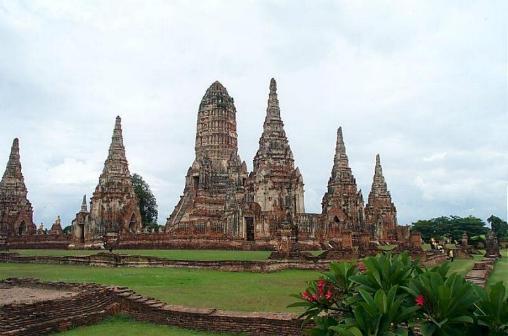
<point>84,207</point>
<point>273,86</point>
<point>340,159</point>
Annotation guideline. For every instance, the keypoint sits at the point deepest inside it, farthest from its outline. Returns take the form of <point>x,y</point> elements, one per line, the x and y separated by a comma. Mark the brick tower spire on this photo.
<point>216,137</point>
<point>275,183</point>
<point>114,205</point>
<point>342,203</point>
<point>215,181</point>
<point>16,214</point>
<point>380,212</point>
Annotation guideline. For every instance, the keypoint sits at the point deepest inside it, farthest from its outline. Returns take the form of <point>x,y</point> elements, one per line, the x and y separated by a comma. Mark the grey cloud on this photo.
<point>408,80</point>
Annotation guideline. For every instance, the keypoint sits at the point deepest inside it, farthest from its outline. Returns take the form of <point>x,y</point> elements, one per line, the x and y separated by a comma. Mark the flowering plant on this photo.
<point>390,295</point>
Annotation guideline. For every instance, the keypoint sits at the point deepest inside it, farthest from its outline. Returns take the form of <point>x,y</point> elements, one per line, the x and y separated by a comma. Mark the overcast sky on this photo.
<point>424,84</point>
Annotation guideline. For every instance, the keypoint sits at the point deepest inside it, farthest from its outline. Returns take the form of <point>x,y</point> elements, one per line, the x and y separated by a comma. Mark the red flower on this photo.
<point>420,300</point>
<point>361,267</point>
<point>329,294</point>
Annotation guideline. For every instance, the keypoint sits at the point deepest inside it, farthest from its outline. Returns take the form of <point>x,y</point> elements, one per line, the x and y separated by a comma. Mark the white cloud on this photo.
<point>414,81</point>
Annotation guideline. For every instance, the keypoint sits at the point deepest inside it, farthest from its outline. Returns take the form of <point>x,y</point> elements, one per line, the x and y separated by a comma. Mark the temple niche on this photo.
<point>16,214</point>
<point>211,204</point>
<point>114,207</point>
<point>342,204</point>
<point>380,212</point>
<point>275,185</point>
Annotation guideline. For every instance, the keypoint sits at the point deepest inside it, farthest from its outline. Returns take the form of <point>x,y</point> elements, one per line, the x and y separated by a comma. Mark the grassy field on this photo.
<point>124,326</point>
<point>463,266</point>
<point>500,272</point>
<point>170,254</point>
<point>191,287</point>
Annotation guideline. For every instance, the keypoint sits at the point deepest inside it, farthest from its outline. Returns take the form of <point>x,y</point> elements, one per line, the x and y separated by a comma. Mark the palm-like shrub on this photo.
<point>379,314</point>
<point>385,271</point>
<point>492,310</point>
<point>389,295</point>
<point>447,304</point>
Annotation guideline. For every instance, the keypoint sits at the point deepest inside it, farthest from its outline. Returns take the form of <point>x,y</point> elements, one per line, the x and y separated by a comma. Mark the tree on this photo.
<point>67,229</point>
<point>499,226</point>
<point>452,227</point>
<point>147,201</point>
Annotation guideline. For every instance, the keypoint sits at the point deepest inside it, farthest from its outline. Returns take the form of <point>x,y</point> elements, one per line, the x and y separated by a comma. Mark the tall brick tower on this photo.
<point>214,184</point>
<point>275,183</point>
<point>16,214</point>
<point>380,212</point>
<point>342,204</point>
<point>114,205</point>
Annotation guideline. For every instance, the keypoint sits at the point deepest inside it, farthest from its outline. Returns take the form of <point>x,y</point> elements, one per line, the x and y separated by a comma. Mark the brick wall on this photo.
<point>96,302</point>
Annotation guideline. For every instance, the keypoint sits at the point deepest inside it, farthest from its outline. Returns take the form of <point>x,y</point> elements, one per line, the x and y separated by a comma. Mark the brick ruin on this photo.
<point>275,186</point>
<point>380,212</point>
<point>221,201</point>
<point>16,214</point>
<point>342,203</point>
<point>215,183</point>
<point>114,206</point>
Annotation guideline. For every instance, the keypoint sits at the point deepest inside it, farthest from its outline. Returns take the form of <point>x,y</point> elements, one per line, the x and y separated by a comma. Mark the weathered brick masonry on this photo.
<point>96,302</point>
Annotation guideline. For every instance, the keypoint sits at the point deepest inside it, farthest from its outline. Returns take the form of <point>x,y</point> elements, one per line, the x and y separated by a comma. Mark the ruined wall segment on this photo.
<point>16,213</point>
<point>342,204</point>
<point>380,212</point>
<point>114,205</point>
<point>214,184</point>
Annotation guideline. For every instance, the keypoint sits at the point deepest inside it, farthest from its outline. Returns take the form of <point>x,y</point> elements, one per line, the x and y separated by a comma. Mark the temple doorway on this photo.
<point>132,224</point>
<point>21,228</point>
<point>81,236</point>
<point>249,225</point>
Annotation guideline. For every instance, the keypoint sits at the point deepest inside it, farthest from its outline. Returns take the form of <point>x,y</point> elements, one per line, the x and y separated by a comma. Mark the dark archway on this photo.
<point>22,228</point>
<point>132,224</point>
<point>81,228</point>
<point>249,228</point>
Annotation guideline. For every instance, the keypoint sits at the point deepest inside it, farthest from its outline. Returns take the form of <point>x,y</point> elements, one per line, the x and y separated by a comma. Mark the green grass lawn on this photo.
<point>121,325</point>
<point>500,272</point>
<point>462,266</point>
<point>170,254</point>
<point>191,287</point>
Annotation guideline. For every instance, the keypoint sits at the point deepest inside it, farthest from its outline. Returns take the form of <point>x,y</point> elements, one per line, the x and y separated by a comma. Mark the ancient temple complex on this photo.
<point>215,183</point>
<point>114,206</point>
<point>16,214</point>
<point>221,200</point>
<point>380,212</point>
<point>275,185</point>
<point>343,202</point>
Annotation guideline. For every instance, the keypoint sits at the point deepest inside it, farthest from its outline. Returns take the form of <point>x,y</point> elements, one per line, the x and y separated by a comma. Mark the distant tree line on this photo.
<point>454,226</point>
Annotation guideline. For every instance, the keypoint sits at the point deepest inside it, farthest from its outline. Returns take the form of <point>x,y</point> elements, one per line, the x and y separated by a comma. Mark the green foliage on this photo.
<point>448,302</point>
<point>385,271</point>
<point>67,229</point>
<point>492,310</point>
<point>499,226</point>
<point>452,227</point>
<point>389,295</point>
<point>147,201</point>
<point>379,314</point>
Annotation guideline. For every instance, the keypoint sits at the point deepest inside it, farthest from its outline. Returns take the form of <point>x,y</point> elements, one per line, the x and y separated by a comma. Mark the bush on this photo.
<point>391,295</point>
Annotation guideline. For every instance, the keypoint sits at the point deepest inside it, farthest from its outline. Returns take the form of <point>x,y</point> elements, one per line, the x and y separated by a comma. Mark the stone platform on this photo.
<point>91,303</point>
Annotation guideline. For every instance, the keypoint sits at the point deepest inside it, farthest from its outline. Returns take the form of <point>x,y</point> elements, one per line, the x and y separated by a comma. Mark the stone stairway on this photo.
<point>479,274</point>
